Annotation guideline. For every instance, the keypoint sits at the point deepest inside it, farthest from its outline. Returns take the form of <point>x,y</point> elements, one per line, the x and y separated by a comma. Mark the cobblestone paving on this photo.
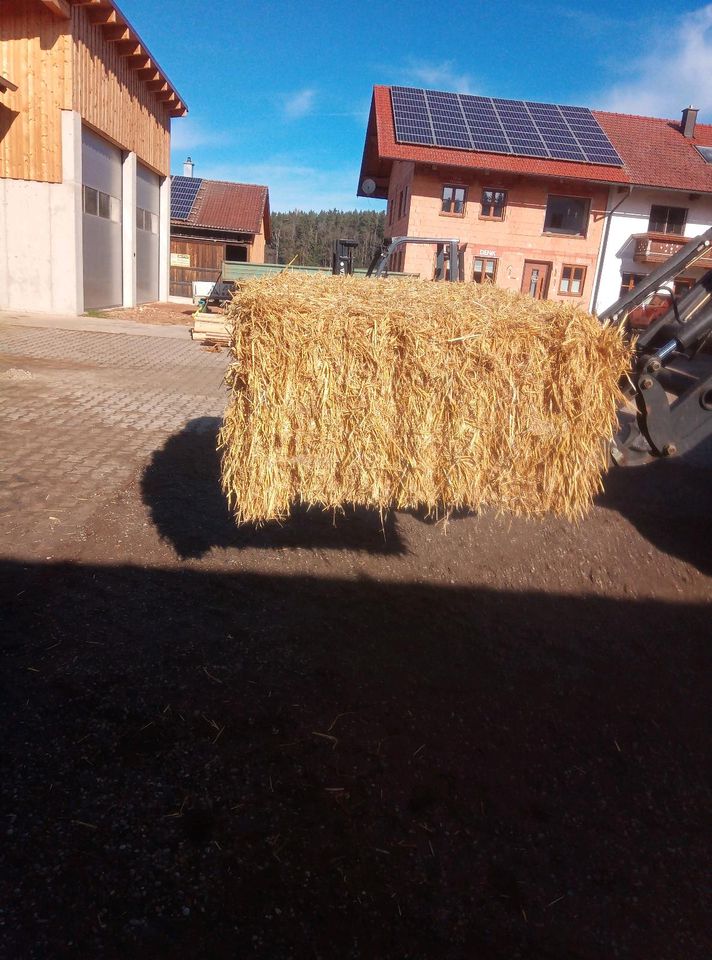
<point>78,412</point>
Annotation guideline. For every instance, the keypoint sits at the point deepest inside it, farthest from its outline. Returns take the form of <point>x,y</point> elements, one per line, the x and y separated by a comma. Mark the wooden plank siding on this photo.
<point>61,64</point>
<point>36,54</point>
<point>206,260</point>
<point>113,100</point>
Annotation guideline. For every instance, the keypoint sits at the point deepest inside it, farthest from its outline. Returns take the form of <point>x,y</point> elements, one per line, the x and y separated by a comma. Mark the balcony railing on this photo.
<point>659,247</point>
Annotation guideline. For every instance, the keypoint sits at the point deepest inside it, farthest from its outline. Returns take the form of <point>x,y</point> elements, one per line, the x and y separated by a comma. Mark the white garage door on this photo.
<point>101,179</point>
<point>147,199</point>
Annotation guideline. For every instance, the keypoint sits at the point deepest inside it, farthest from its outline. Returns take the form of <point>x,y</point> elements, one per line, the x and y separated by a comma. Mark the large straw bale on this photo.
<point>403,393</point>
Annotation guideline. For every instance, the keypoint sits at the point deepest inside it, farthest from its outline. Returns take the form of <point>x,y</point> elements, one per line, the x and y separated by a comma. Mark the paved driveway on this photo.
<point>79,409</point>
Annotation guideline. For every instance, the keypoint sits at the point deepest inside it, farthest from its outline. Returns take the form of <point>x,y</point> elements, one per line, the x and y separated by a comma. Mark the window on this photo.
<point>682,285</point>
<point>566,215</point>
<point>236,253</point>
<point>667,220</point>
<point>400,204</point>
<point>572,280</point>
<point>493,204</point>
<point>91,201</point>
<point>100,204</point>
<point>628,282</point>
<point>454,200</point>
<point>145,220</point>
<point>104,205</point>
<point>484,270</point>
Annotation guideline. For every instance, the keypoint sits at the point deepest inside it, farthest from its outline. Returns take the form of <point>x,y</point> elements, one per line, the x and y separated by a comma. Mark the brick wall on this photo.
<point>519,237</point>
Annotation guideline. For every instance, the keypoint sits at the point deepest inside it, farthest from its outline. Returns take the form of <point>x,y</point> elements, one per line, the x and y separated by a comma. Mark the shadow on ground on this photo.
<point>210,765</point>
<point>669,502</point>
<point>181,487</point>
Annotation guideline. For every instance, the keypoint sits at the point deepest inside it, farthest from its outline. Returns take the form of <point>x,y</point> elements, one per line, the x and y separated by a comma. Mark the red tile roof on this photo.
<point>233,207</point>
<point>654,152</point>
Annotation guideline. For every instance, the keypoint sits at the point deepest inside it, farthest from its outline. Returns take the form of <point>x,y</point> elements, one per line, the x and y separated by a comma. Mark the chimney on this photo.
<point>188,165</point>
<point>689,119</point>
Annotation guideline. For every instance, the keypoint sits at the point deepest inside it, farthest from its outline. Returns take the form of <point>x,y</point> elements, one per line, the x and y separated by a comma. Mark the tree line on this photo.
<point>307,237</point>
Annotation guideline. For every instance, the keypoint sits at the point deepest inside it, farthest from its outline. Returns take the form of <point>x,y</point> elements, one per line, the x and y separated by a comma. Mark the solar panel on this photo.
<point>411,116</point>
<point>519,127</point>
<point>183,194</point>
<point>449,124</point>
<point>485,127</point>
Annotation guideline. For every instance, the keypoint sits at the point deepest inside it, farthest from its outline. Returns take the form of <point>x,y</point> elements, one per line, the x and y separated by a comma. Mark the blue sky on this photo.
<point>279,90</point>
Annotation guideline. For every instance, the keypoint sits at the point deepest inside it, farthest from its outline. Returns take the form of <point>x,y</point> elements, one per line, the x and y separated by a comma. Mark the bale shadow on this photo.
<point>181,487</point>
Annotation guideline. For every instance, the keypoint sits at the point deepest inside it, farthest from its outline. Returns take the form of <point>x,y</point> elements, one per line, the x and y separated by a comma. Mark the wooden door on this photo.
<point>535,281</point>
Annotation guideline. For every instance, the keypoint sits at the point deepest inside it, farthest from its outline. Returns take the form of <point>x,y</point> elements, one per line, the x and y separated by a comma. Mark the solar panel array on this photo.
<point>183,193</point>
<point>520,127</point>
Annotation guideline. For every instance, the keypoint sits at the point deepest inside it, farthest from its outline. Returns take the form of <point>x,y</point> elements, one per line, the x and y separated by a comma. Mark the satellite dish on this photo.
<point>368,186</point>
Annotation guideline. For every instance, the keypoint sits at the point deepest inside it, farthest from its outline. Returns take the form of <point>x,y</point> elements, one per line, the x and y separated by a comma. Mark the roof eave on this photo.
<point>107,15</point>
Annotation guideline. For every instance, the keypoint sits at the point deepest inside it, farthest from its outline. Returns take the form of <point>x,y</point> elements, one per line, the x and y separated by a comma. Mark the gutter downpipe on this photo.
<point>604,245</point>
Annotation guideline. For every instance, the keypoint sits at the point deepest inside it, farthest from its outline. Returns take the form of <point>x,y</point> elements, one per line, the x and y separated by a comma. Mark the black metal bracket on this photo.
<point>449,249</point>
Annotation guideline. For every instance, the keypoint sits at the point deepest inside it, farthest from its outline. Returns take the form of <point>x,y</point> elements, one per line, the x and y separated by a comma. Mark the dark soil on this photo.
<point>316,741</point>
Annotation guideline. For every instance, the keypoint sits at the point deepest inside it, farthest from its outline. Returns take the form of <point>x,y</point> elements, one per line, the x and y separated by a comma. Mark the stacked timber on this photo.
<point>211,328</point>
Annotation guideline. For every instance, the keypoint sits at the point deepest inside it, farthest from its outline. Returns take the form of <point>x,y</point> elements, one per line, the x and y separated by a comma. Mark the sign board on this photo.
<point>180,259</point>
<point>488,253</point>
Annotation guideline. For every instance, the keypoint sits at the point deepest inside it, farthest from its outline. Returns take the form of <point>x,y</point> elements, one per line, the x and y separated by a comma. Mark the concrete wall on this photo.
<point>40,235</point>
<point>519,237</point>
<point>632,217</point>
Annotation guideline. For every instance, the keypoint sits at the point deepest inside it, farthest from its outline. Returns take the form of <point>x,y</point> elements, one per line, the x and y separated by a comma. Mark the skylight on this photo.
<point>705,153</point>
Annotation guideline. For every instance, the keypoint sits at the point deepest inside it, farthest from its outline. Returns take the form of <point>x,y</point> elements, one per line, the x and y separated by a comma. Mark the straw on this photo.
<point>402,393</point>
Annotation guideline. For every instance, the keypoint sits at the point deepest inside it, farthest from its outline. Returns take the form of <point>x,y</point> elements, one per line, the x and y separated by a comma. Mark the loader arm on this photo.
<point>671,381</point>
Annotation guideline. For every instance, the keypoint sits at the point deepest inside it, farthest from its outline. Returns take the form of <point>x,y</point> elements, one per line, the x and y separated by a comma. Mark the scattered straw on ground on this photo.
<point>403,393</point>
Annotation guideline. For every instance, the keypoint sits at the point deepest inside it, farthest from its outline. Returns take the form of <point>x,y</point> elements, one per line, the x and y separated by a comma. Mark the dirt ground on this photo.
<point>334,738</point>
<point>172,313</point>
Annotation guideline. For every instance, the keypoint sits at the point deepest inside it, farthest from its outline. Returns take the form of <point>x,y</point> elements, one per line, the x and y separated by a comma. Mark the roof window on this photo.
<point>705,153</point>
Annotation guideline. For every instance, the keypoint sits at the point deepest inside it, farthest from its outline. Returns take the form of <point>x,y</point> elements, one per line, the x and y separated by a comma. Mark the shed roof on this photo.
<point>225,206</point>
<point>654,151</point>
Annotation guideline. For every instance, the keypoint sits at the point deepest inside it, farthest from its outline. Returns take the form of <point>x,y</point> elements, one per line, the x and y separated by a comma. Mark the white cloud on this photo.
<point>293,185</point>
<point>189,134</point>
<point>441,76</point>
<point>674,71</point>
<point>299,104</point>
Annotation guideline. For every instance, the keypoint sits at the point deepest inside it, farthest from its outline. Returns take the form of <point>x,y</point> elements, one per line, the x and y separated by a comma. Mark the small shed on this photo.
<point>213,221</point>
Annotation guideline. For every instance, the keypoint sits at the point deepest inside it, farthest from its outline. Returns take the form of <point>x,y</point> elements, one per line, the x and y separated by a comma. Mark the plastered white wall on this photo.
<point>632,217</point>
<point>37,256</point>
<point>164,240</point>
<point>40,235</point>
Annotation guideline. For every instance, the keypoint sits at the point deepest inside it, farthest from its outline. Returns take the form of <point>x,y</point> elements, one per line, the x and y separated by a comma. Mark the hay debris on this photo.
<point>403,393</point>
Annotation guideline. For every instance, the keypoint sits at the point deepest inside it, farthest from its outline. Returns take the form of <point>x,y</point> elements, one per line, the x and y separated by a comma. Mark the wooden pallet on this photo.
<point>210,328</point>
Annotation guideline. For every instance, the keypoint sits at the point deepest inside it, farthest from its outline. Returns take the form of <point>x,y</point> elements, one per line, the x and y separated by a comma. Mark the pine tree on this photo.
<point>309,236</point>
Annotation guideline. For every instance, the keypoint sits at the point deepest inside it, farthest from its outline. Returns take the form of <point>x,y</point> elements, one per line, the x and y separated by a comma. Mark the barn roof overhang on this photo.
<point>117,29</point>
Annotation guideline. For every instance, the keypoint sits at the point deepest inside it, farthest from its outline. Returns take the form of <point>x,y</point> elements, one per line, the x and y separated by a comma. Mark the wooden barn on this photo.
<point>213,221</point>
<point>85,123</point>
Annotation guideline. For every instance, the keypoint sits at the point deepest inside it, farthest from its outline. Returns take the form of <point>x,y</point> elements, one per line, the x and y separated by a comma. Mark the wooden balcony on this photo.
<point>659,247</point>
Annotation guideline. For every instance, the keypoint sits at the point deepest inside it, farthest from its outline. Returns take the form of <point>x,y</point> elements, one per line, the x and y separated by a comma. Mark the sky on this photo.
<point>279,90</point>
